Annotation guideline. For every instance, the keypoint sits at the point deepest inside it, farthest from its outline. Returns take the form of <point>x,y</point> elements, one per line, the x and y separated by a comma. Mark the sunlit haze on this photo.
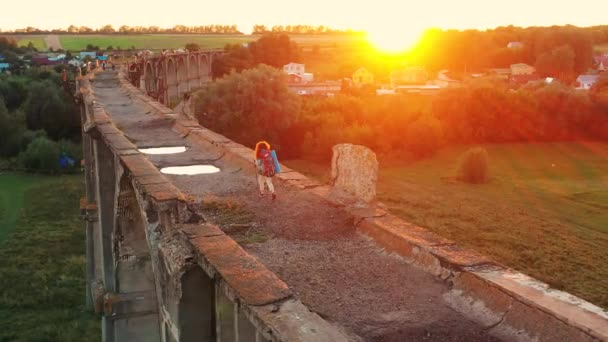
<point>401,18</point>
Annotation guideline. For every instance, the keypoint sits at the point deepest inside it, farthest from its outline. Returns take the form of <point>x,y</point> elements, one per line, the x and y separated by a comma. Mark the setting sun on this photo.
<point>389,40</point>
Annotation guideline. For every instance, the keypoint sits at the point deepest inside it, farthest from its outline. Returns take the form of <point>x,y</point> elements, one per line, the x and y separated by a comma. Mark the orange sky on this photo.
<point>378,15</point>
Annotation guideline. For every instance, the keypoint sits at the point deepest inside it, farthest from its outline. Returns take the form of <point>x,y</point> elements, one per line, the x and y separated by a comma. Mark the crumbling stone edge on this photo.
<point>509,304</point>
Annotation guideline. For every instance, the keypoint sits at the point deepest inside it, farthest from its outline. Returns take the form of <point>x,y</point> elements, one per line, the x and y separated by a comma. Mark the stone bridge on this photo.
<point>168,76</point>
<point>203,258</point>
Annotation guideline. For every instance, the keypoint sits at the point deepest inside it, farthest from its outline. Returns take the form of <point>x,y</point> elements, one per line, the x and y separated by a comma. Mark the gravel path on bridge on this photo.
<point>310,245</point>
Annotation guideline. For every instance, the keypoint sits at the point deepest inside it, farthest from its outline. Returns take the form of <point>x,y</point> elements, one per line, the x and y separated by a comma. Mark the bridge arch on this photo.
<point>204,68</point>
<point>193,73</point>
<point>150,79</point>
<point>193,67</point>
<point>182,76</point>
<point>172,92</point>
<point>196,309</point>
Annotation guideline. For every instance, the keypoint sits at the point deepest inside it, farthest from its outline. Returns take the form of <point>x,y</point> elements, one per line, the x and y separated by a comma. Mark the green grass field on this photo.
<point>42,268</point>
<point>12,189</point>
<point>174,41</point>
<point>151,41</point>
<point>544,212</point>
<point>168,41</point>
<point>38,42</point>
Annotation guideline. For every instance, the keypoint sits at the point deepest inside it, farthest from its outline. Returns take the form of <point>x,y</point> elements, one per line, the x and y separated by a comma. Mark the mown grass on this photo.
<point>37,41</point>
<point>42,268</point>
<point>12,188</point>
<point>544,211</point>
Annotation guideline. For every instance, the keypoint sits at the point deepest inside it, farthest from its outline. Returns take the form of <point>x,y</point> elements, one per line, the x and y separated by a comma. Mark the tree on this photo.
<point>191,47</point>
<point>107,29</point>
<point>423,136</point>
<point>249,105</point>
<point>274,49</point>
<point>48,108</point>
<point>558,62</point>
<point>599,91</point>
<point>41,154</point>
<point>85,29</point>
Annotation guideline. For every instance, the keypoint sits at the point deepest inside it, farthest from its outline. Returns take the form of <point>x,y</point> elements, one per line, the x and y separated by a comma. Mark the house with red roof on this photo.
<point>602,62</point>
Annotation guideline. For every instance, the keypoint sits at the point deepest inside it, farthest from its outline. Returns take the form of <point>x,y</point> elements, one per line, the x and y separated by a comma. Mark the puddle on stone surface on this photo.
<point>163,150</point>
<point>190,170</point>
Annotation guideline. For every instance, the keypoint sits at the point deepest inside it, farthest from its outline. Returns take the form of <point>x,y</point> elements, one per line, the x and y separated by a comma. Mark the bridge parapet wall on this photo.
<point>511,305</point>
<point>155,277</point>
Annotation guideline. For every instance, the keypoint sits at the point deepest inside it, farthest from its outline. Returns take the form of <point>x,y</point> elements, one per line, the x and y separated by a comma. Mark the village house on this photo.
<point>515,45</point>
<point>294,78</point>
<point>444,80</point>
<point>523,79</point>
<point>4,66</point>
<point>294,68</point>
<point>502,73</point>
<point>585,82</point>
<point>522,69</point>
<point>411,75</point>
<point>84,54</point>
<point>601,62</point>
<point>297,73</point>
<point>362,77</point>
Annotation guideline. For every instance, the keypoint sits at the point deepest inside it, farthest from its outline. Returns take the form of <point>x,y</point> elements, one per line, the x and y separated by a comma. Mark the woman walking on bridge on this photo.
<point>265,167</point>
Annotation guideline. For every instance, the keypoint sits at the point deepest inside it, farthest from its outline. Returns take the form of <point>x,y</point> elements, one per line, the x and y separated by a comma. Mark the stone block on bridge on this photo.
<point>354,173</point>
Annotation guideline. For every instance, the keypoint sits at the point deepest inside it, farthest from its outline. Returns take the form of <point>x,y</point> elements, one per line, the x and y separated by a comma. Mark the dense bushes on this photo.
<point>38,122</point>
<point>44,154</point>
<point>474,166</point>
<point>248,105</point>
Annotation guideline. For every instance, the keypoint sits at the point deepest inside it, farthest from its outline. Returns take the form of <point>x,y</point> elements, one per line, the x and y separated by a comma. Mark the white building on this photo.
<point>515,45</point>
<point>294,68</point>
<point>586,81</point>
<point>307,77</point>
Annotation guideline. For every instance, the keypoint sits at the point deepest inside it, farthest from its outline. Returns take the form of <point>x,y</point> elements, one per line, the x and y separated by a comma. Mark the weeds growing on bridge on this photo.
<point>235,220</point>
<point>42,268</point>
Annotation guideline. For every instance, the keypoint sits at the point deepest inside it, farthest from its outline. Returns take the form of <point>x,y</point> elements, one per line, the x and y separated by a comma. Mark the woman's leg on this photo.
<point>261,183</point>
<point>269,183</point>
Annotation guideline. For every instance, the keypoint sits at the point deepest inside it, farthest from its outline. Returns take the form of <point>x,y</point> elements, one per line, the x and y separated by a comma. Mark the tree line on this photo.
<point>301,29</point>
<point>256,104</point>
<point>126,29</point>
<point>274,49</point>
<point>183,29</point>
<point>556,50</point>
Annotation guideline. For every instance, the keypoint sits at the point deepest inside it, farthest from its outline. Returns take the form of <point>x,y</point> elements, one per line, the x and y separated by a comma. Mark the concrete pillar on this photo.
<point>90,196</point>
<point>106,189</point>
<point>246,332</point>
<point>225,313</point>
<point>106,195</point>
